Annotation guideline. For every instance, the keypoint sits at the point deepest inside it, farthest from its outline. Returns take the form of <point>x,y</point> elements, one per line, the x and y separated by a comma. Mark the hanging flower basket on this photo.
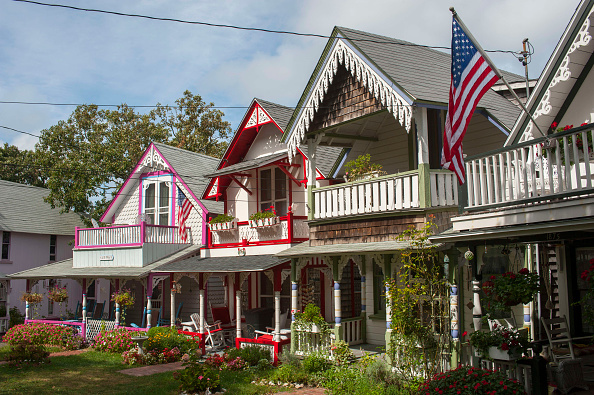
<point>511,289</point>
<point>123,297</point>
<point>58,294</point>
<point>31,297</point>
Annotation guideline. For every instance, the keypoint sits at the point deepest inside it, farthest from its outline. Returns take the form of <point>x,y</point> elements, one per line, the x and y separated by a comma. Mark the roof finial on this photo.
<point>453,10</point>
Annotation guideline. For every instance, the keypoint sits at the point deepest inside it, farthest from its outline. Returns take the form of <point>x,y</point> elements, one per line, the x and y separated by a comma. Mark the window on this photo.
<point>157,201</point>
<point>52,251</point>
<point>379,291</point>
<point>273,190</point>
<point>5,245</point>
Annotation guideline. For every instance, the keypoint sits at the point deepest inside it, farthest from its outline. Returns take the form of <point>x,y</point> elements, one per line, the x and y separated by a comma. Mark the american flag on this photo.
<point>472,76</point>
<point>183,212</point>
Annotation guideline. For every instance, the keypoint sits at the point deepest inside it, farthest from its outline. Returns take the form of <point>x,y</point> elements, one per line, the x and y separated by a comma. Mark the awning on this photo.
<point>227,264</point>
<point>248,164</point>
<point>64,269</point>
<point>384,247</point>
<point>527,232</point>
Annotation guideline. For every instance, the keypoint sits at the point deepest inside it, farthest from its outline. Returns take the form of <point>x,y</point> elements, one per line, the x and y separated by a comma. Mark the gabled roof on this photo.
<point>22,209</point>
<point>561,78</point>
<point>189,167</point>
<point>398,73</point>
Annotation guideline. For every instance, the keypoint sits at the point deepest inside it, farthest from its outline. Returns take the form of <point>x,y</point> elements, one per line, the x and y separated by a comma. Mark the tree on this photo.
<point>88,156</point>
<point>20,166</point>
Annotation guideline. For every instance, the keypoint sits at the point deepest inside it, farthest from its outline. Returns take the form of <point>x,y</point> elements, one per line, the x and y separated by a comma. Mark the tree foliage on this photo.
<point>88,156</point>
<point>20,166</point>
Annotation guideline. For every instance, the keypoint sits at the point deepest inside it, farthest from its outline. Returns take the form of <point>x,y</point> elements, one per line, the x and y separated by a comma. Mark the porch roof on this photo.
<point>64,269</point>
<point>532,232</point>
<point>248,263</point>
<point>3,276</point>
<point>304,249</point>
<point>249,164</point>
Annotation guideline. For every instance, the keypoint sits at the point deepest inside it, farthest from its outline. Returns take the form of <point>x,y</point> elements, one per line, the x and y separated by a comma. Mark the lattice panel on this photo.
<point>94,327</point>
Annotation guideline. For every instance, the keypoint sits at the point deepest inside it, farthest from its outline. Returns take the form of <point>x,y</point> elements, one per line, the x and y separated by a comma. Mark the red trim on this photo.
<point>267,340</point>
<point>201,338</point>
<point>257,243</point>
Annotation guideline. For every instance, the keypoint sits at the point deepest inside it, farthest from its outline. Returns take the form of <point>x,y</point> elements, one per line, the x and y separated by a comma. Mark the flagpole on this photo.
<point>495,69</point>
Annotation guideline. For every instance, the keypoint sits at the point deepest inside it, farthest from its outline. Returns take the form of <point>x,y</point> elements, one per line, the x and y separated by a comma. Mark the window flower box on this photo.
<point>223,226</point>
<point>264,222</point>
<point>500,355</point>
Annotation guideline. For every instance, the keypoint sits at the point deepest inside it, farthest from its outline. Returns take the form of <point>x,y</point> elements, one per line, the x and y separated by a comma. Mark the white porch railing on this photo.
<point>309,342</point>
<point>352,330</point>
<point>127,236</point>
<point>383,194</point>
<point>538,169</point>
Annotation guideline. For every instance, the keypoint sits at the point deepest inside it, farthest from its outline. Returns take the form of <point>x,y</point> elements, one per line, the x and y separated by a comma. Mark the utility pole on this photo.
<point>524,58</point>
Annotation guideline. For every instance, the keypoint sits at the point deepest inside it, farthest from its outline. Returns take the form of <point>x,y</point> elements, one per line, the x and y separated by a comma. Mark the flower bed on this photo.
<point>469,380</point>
<point>166,338</point>
<point>114,341</point>
<point>44,334</point>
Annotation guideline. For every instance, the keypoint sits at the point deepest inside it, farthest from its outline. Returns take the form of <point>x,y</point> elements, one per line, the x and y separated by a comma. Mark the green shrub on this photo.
<point>263,365</point>
<point>197,377</point>
<point>288,358</point>
<point>16,318</point>
<point>380,371</point>
<point>26,352</point>
<point>251,354</point>
<point>44,334</point>
<point>341,353</point>
<point>471,380</point>
<point>289,374</point>
<point>115,341</point>
<point>162,338</point>
<point>315,363</point>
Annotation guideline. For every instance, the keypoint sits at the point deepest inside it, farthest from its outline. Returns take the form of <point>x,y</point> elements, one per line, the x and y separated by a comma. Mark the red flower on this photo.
<point>492,278</point>
<point>584,124</point>
<point>504,346</point>
<point>554,125</point>
<point>524,271</point>
<point>567,127</point>
<point>464,334</point>
<point>584,275</point>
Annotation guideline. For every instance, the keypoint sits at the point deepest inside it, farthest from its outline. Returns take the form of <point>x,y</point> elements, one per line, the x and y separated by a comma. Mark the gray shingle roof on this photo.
<point>281,114</point>
<point>249,164</point>
<point>304,249</point>
<point>64,269</point>
<point>192,167</point>
<point>22,209</point>
<point>248,263</point>
<point>424,73</point>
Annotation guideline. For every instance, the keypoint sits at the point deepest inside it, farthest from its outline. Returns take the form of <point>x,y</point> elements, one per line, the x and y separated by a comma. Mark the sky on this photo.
<point>57,55</point>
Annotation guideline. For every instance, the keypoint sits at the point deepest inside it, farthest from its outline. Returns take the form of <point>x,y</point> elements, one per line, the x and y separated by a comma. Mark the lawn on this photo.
<point>95,372</point>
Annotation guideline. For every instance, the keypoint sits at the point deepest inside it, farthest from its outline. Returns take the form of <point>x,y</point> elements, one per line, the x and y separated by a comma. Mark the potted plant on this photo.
<point>499,343</point>
<point>578,142</point>
<point>263,218</point>
<point>58,294</point>
<point>311,320</point>
<point>362,168</point>
<point>510,289</point>
<point>222,222</point>
<point>32,297</point>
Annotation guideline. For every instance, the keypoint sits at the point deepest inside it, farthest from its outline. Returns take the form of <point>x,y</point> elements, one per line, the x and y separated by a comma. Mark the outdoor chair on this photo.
<point>193,325</point>
<point>215,337</point>
<point>285,330</point>
<point>560,340</point>
<point>164,322</point>
<point>98,311</point>
<point>220,315</point>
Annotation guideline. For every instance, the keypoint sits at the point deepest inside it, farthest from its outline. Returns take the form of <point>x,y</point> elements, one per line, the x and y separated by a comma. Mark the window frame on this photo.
<point>264,204</point>
<point>157,210</point>
<point>53,248</point>
<point>5,243</point>
<point>379,288</point>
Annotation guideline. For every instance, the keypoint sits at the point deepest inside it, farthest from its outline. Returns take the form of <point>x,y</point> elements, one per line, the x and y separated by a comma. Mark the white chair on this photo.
<point>193,325</point>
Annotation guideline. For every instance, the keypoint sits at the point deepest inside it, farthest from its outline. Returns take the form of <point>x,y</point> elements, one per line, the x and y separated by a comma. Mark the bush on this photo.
<point>251,354</point>
<point>380,371</point>
<point>315,363</point>
<point>116,341</point>
<point>44,334</point>
<point>26,352</point>
<point>341,353</point>
<point>166,338</point>
<point>16,318</point>
<point>133,357</point>
<point>288,358</point>
<point>289,374</point>
<point>471,380</point>
<point>197,377</point>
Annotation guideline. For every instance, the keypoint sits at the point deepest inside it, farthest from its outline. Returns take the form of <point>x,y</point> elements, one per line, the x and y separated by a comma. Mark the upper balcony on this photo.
<point>126,245</point>
<point>406,191</point>
<point>286,229</point>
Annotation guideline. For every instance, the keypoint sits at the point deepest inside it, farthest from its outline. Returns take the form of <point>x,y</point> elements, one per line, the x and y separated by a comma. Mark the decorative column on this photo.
<point>117,305</point>
<point>311,176</point>
<point>528,307</point>
<point>27,307</point>
<point>172,315</point>
<point>363,270</point>
<point>277,297</point>
<point>455,312</point>
<point>294,299</point>
<point>421,125</point>
<point>149,302</point>
<point>84,300</point>
<point>237,312</point>
<point>337,302</point>
<point>388,277</point>
<point>201,297</point>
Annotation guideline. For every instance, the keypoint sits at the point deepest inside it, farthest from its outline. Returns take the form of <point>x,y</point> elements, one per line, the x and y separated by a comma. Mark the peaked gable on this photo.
<point>562,80</point>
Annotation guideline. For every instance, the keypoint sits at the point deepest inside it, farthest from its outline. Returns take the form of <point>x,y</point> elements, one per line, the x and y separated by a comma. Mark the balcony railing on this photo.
<point>288,229</point>
<point>540,169</point>
<point>128,236</point>
<point>383,194</point>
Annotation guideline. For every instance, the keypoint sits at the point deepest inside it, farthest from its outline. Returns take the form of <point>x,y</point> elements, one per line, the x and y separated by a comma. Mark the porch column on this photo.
<point>84,300</point>
<point>388,277</point>
<point>277,300</point>
<point>477,312</point>
<point>172,299</point>
<point>528,307</point>
<point>363,300</point>
<point>337,301</point>
<point>201,297</point>
<point>294,298</point>
<point>311,177</point>
<point>237,312</point>
<point>117,305</point>
<point>149,302</point>
<point>421,125</point>
<point>456,318</point>
<point>27,308</point>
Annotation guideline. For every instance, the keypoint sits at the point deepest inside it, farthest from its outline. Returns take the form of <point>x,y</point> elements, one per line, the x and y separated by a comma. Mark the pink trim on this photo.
<point>126,183</point>
<point>156,173</point>
<point>76,236</point>
<point>173,204</point>
<point>140,197</point>
<point>111,245</point>
<point>142,231</point>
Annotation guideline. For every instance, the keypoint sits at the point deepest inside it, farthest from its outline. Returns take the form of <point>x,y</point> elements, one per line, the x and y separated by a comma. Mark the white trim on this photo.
<point>379,86</point>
